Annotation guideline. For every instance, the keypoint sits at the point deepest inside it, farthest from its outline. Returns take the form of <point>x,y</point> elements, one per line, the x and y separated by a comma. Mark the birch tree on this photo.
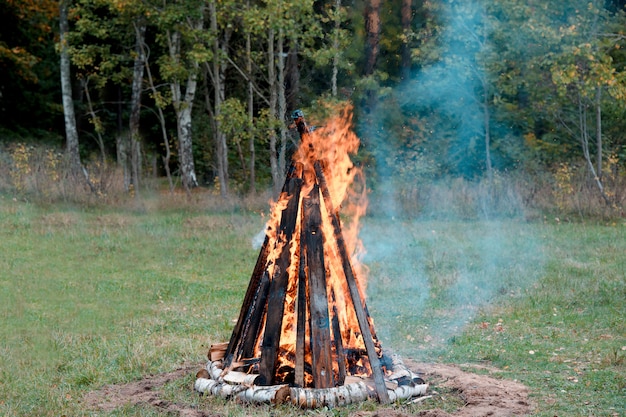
<point>182,27</point>
<point>71,133</point>
<point>139,27</point>
<point>221,34</point>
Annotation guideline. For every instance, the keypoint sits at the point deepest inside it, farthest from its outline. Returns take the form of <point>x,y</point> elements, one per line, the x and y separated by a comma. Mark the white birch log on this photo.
<point>403,392</point>
<point>329,397</point>
<point>274,394</point>
<point>228,384</point>
<point>215,369</point>
<point>239,378</point>
<point>400,373</point>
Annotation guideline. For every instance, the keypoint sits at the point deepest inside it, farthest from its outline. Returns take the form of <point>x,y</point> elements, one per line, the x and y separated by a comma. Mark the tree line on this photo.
<point>201,91</point>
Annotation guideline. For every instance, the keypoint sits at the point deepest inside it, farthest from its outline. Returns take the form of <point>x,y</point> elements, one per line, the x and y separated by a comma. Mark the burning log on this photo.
<point>242,342</point>
<point>319,321</point>
<point>217,351</point>
<point>341,357</point>
<point>304,333</point>
<point>361,315</point>
<point>302,311</point>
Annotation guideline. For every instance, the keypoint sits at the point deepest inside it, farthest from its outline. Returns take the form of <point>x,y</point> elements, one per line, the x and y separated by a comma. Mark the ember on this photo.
<point>304,333</point>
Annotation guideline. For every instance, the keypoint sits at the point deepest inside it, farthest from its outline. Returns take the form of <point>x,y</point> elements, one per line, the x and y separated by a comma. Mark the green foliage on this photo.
<point>29,82</point>
<point>525,75</point>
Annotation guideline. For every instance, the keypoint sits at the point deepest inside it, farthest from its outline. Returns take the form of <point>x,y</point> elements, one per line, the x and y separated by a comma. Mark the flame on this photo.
<point>332,145</point>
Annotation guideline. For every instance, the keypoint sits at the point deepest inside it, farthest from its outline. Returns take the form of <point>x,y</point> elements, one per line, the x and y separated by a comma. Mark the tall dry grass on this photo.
<point>574,197</point>
<point>40,174</point>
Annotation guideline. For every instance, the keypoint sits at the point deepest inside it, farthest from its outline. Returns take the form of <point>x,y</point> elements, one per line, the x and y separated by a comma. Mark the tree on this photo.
<point>71,132</point>
<point>220,45</point>
<point>29,68</point>
<point>578,80</point>
<point>373,31</point>
<point>135,102</point>
<point>181,26</point>
<point>407,18</point>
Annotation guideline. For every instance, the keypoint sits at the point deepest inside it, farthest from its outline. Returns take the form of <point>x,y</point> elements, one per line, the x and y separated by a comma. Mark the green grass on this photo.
<point>94,297</point>
<point>543,303</point>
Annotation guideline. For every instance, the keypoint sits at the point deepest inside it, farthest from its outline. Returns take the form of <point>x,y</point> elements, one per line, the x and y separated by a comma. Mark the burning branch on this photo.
<point>304,333</point>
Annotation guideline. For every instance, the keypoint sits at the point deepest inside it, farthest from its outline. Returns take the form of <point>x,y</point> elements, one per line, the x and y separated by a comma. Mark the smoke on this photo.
<point>431,276</point>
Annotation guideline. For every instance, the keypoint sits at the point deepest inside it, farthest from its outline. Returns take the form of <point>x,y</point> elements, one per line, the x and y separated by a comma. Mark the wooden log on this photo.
<point>278,288</point>
<point>401,373</point>
<point>403,392</point>
<point>254,322</point>
<point>302,309</point>
<point>341,356</point>
<point>248,306</point>
<point>377,371</point>
<point>217,351</point>
<point>241,378</point>
<point>255,294</point>
<point>319,320</point>
<point>220,389</point>
<point>274,394</point>
<point>215,369</point>
<point>353,379</point>
<point>329,397</point>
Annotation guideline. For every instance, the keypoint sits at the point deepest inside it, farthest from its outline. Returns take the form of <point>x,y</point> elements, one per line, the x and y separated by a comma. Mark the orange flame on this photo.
<point>332,145</point>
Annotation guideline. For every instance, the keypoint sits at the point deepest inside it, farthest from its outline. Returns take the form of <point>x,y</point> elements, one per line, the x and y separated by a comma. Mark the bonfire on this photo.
<point>304,334</point>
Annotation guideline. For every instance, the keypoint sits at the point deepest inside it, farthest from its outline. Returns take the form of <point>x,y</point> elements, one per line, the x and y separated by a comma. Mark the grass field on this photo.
<point>94,297</point>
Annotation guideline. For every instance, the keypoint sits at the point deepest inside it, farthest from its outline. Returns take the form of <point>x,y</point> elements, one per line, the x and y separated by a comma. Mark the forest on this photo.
<point>462,107</point>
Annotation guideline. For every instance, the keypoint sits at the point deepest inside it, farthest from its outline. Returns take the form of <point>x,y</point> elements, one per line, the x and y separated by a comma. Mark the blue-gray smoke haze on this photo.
<point>441,272</point>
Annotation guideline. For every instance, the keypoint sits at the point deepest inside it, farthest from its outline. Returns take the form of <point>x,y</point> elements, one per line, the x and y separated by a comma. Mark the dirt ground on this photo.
<point>483,394</point>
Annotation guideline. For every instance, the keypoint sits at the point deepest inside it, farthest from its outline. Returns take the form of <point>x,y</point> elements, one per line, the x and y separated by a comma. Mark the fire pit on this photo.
<point>304,334</point>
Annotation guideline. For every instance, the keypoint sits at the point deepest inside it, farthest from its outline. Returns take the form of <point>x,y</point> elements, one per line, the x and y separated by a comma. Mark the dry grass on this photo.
<point>39,174</point>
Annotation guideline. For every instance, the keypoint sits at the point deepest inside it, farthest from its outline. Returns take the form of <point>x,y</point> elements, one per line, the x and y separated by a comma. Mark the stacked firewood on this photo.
<point>401,383</point>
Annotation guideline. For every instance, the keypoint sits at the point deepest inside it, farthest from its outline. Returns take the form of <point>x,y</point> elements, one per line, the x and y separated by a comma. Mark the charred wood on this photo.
<point>318,298</point>
<point>278,287</point>
<point>302,311</point>
<point>362,318</point>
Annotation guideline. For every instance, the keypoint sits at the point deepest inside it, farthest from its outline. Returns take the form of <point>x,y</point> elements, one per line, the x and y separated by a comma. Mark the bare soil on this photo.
<point>483,394</point>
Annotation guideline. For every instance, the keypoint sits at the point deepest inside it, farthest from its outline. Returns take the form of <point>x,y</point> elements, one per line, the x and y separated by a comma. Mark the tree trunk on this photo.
<point>166,144</point>
<point>71,133</point>
<point>372,29</point>
<point>271,75</point>
<point>135,106</point>
<point>584,141</point>
<point>406,12</point>
<point>337,52</point>
<point>183,107</point>
<point>486,123</point>
<point>92,114</point>
<point>185,149</point>
<point>282,105</point>
<point>122,143</point>
<point>598,133</point>
<point>219,95</point>
<point>250,112</point>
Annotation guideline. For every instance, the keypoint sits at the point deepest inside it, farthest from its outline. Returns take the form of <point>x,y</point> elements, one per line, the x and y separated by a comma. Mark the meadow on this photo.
<point>96,296</point>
